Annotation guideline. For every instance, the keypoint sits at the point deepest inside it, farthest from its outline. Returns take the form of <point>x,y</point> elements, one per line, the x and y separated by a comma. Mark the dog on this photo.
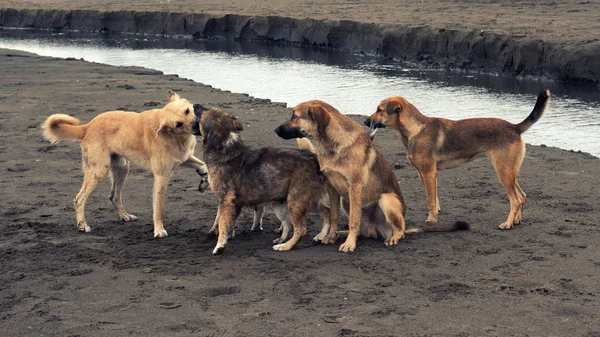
<point>244,177</point>
<point>358,173</point>
<point>434,144</point>
<point>280,209</point>
<point>158,140</point>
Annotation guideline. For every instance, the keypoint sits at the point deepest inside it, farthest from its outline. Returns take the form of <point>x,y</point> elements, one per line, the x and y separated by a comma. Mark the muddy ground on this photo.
<point>540,279</point>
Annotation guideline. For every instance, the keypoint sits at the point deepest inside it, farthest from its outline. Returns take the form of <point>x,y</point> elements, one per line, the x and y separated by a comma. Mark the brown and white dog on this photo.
<point>158,140</point>
<point>241,176</point>
<point>357,171</point>
<point>434,144</point>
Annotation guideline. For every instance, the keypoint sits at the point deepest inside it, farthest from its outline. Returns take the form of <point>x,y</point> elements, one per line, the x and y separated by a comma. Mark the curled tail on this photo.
<point>305,144</point>
<point>438,227</point>
<point>60,127</point>
<point>538,111</point>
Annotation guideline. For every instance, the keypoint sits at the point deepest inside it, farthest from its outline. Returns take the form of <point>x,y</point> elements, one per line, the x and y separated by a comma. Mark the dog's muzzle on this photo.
<point>196,126</point>
<point>373,127</point>
<point>287,132</point>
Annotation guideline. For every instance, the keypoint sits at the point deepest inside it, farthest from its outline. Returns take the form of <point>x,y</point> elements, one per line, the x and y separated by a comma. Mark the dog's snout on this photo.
<point>198,109</point>
<point>286,132</point>
<point>196,126</point>
<point>367,122</point>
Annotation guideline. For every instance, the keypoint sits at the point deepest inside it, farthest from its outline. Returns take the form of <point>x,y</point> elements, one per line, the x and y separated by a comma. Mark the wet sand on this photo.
<point>540,279</point>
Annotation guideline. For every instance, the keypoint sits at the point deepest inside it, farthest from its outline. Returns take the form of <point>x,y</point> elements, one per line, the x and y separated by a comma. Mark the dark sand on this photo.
<point>540,279</point>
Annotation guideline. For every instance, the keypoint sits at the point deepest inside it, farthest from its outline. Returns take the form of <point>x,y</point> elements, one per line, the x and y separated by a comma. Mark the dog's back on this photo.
<point>270,174</point>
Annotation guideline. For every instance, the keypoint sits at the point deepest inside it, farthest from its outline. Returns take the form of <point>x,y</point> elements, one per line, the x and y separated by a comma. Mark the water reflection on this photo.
<point>352,83</point>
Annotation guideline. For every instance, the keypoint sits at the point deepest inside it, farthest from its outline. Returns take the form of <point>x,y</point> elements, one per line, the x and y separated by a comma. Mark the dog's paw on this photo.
<point>160,233</point>
<point>257,228</point>
<point>203,186</point>
<point>128,217</point>
<point>83,227</point>
<point>278,241</point>
<point>327,239</point>
<point>394,238</point>
<point>219,248</point>
<point>319,237</point>
<point>282,247</point>
<point>348,247</point>
<point>505,225</point>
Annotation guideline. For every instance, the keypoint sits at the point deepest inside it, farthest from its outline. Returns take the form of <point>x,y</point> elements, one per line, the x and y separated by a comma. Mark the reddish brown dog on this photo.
<point>436,144</point>
<point>357,171</point>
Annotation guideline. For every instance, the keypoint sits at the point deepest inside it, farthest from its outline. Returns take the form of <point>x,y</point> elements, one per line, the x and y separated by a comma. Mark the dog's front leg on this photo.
<point>355,195</point>
<point>202,171</point>
<point>160,189</point>
<point>228,212</point>
<point>334,216</point>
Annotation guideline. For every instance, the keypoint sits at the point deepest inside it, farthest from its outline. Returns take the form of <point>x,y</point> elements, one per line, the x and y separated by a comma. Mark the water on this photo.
<point>354,84</point>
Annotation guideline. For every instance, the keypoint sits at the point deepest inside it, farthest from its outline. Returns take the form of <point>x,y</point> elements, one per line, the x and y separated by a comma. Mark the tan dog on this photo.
<point>358,172</point>
<point>158,140</point>
<point>438,144</point>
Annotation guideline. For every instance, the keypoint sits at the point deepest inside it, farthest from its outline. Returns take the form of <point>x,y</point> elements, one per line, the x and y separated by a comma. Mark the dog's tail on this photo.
<point>439,227</point>
<point>305,144</point>
<point>60,127</point>
<point>538,111</point>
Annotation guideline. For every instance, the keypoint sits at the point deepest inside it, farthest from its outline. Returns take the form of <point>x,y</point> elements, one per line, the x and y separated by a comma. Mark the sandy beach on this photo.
<point>540,279</point>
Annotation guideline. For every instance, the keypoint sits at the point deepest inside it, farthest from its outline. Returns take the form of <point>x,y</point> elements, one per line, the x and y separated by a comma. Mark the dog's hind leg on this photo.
<point>297,214</point>
<point>95,169</point>
<point>215,226</point>
<point>392,209</point>
<point>428,173</point>
<point>507,163</point>
<point>324,212</point>
<point>281,212</point>
<point>259,211</point>
<point>119,169</point>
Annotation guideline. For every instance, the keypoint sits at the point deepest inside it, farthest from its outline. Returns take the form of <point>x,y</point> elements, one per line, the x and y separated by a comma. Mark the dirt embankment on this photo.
<point>540,279</point>
<point>522,40</point>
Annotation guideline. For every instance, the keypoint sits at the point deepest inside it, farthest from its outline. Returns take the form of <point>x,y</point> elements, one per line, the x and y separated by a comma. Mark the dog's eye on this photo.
<point>178,125</point>
<point>379,109</point>
<point>293,117</point>
<point>187,111</point>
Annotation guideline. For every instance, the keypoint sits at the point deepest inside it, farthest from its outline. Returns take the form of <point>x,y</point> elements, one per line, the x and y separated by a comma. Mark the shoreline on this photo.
<point>461,49</point>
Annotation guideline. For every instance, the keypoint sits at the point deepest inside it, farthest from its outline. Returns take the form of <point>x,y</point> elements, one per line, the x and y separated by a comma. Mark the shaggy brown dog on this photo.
<point>158,140</point>
<point>357,171</point>
<point>244,177</point>
<point>437,144</point>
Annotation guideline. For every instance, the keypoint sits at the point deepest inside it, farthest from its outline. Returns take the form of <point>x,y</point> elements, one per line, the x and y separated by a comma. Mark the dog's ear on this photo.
<point>320,115</point>
<point>237,124</point>
<point>173,96</point>
<point>210,138</point>
<point>160,127</point>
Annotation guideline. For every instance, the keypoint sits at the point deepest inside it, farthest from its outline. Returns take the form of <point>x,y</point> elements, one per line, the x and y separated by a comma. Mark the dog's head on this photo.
<point>177,117</point>
<point>308,119</point>
<point>388,113</point>
<point>217,129</point>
